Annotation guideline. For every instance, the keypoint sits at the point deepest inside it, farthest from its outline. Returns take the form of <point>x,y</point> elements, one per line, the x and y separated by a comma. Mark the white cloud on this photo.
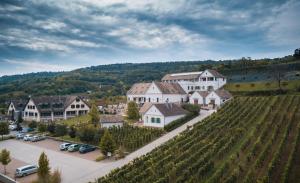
<point>10,8</point>
<point>51,25</point>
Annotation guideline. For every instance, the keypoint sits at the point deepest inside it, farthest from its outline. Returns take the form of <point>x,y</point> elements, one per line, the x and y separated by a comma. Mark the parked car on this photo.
<point>26,130</point>
<point>12,127</point>
<point>28,137</point>
<point>64,146</point>
<point>20,136</point>
<point>26,170</point>
<point>37,138</point>
<point>86,148</point>
<point>73,147</point>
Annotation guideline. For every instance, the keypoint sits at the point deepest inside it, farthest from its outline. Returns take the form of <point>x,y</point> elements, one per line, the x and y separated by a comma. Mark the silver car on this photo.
<point>28,137</point>
<point>37,138</point>
<point>26,170</point>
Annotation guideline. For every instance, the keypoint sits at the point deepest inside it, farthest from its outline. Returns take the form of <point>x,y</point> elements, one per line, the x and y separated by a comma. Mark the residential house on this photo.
<point>52,108</point>
<point>15,109</point>
<point>157,92</point>
<point>207,80</point>
<point>161,114</point>
<point>108,121</point>
<point>215,98</point>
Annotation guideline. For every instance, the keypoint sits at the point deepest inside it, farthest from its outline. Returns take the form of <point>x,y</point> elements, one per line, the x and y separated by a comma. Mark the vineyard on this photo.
<point>132,138</point>
<point>250,139</point>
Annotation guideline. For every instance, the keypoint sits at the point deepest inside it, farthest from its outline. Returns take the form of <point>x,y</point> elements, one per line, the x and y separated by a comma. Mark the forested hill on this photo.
<point>115,79</point>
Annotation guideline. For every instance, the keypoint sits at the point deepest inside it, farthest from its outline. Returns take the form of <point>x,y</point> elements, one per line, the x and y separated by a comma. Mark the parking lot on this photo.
<point>73,165</point>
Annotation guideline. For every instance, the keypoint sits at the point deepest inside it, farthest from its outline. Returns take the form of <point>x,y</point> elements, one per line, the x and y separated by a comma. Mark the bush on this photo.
<point>51,128</point>
<point>100,157</point>
<point>72,132</point>
<point>32,124</point>
<point>194,109</point>
<point>86,134</point>
<point>175,124</point>
<point>252,85</point>
<point>42,127</point>
<point>60,130</point>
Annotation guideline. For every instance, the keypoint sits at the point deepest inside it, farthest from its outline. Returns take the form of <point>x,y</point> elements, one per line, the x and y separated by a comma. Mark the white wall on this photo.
<point>34,111</point>
<point>213,96</point>
<point>197,96</point>
<point>75,103</point>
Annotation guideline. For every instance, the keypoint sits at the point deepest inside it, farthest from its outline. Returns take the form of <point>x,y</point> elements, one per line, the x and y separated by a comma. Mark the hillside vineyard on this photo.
<point>250,139</point>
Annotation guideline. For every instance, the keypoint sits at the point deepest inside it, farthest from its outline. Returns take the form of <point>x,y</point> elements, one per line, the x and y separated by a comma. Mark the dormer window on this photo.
<point>77,100</point>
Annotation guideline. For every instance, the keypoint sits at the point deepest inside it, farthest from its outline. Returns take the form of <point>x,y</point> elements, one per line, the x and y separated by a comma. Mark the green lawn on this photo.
<point>76,120</point>
<point>258,86</point>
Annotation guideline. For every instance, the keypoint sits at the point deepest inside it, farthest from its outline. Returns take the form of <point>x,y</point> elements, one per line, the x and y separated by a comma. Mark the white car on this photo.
<point>28,137</point>
<point>64,146</point>
<point>26,170</point>
<point>20,136</point>
<point>37,138</point>
<point>12,127</point>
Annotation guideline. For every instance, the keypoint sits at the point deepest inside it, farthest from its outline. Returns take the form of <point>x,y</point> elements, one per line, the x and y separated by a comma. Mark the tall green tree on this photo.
<point>5,158</point>
<point>44,169</point>
<point>4,129</point>
<point>132,111</point>
<point>94,114</point>
<point>107,143</point>
<point>72,132</point>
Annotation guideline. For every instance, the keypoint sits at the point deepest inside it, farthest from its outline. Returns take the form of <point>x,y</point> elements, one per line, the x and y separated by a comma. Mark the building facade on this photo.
<point>157,92</point>
<point>52,108</point>
<point>207,80</point>
<point>215,98</point>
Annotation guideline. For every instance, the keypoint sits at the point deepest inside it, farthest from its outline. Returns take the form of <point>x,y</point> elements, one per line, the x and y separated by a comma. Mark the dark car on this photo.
<point>86,148</point>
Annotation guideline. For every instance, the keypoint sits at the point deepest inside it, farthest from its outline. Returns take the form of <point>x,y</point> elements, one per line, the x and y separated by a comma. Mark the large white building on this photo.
<point>207,80</point>
<point>51,108</point>
<point>157,92</point>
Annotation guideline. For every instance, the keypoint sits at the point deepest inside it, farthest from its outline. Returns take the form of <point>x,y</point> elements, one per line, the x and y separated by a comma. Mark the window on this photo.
<point>33,107</point>
<point>188,87</point>
<point>82,105</point>
<point>192,88</point>
<point>149,100</point>
<point>152,120</point>
<point>77,106</point>
<point>157,120</point>
<point>72,106</point>
<point>35,114</point>
<point>77,100</point>
<point>157,100</point>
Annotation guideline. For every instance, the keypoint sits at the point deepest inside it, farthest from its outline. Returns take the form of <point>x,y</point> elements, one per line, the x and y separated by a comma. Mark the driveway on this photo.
<point>79,170</point>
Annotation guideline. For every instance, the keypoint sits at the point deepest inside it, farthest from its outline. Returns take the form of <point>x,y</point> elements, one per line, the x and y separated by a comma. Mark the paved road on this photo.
<point>78,170</point>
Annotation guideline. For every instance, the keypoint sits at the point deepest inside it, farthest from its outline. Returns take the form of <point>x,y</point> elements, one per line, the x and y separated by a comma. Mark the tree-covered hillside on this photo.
<point>115,79</point>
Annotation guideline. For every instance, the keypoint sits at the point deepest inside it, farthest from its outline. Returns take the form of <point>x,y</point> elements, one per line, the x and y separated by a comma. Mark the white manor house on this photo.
<point>160,101</point>
<point>176,88</point>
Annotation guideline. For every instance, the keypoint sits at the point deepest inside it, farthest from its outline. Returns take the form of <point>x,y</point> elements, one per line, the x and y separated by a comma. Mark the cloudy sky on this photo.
<point>56,35</point>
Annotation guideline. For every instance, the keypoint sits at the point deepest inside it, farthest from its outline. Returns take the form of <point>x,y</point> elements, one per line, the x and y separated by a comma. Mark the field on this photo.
<point>250,139</point>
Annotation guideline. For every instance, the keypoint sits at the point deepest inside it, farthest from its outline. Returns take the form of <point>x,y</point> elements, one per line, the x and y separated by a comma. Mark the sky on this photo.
<point>62,35</point>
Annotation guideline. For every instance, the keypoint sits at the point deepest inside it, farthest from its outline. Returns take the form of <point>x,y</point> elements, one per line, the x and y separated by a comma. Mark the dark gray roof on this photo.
<point>170,109</point>
<point>54,103</point>
<point>19,104</point>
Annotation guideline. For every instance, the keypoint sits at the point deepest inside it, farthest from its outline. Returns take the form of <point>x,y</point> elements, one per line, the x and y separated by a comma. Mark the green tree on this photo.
<point>44,169</point>
<point>5,158</point>
<point>4,129</point>
<point>60,130</point>
<point>72,132</point>
<point>107,143</point>
<point>95,115</point>
<point>42,127</point>
<point>132,111</point>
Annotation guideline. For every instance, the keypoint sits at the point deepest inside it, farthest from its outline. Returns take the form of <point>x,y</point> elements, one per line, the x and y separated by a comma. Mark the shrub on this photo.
<point>194,109</point>
<point>175,124</point>
<point>51,128</point>
<point>60,130</point>
<point>32,124</point>
<point>86,134</point>
<point>252,85</point>
<point>72,132</point>
<point>42,127</point>
<point>237,85</point>
<point>107,143</point>
<point>100,158</point>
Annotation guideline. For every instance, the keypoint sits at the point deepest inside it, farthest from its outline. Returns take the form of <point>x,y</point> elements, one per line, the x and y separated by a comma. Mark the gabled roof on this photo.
<point>203,93</point>
<point>182,76</point>
<point>215,73</point>
<point>145,107</point>
<point>138,89</point>
<point>19,104</point>
<point>54,103</point>
<point>169,88</point>
<point>111,119</point>
<point>223,94</point>
<point>169,109</point>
